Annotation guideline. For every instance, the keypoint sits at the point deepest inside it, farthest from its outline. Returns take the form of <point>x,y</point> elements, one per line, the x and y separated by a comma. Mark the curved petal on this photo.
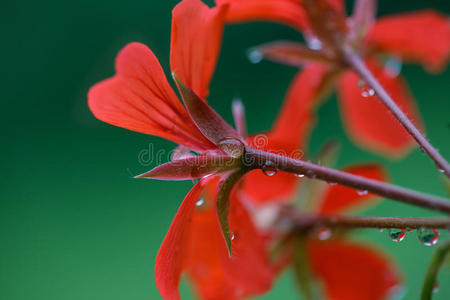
<point>172,256</point>
<point>422,36</point>
<point>288,12</point>
<point>369,122</point>
<point>352,272</point>
<point>339,198</point>
<point>289,135</point>
<point>195,45</point>
<point>139,98</point>
<point>217,276</point>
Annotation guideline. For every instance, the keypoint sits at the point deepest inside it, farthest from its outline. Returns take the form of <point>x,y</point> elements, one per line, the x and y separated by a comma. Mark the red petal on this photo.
<point>196,39</point>
<point>422,36</point>
<point>287,12</point>
<point>139,98</point>
<point>214,274</point>
<point>369,122</point>
<point>173,253</point>
<point>352,271</point>
<point>288,136</point>
<point>340,198</point>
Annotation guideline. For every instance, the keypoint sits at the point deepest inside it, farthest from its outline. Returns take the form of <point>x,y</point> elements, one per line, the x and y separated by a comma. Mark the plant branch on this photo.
<point>436,263</point>
<point>256,159</point>
<point>307,222</point>
<point>358,65</point>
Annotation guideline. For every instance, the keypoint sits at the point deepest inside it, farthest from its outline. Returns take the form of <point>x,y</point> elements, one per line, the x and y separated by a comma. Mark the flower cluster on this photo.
<point>234,232</point>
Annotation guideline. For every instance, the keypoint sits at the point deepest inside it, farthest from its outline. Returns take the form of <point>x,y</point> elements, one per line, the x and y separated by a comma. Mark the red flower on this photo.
<point>420,36</point>
<point>350,270</point>
<point>139,98</point>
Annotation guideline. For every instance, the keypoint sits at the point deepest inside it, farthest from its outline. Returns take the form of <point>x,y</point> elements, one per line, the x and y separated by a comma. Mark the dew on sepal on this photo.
<point>366,91</point>
<point>397,234</point>
<point>323,233</point>
<point>269,168</point>
<point>231,146</point>
<point>436,287</point>
<point>200,202</point>
<point>428,236</point>
<point>362,192</point>
<point>255,56</point>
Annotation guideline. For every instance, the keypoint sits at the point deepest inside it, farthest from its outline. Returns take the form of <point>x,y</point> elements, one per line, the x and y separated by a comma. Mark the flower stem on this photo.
<point>433,269</point>
<point>306,222</point>
<point>256,159</point>
<point>358,65</point>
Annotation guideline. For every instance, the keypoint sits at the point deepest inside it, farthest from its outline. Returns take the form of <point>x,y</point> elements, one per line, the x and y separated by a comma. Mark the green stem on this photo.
<point>436,262</point>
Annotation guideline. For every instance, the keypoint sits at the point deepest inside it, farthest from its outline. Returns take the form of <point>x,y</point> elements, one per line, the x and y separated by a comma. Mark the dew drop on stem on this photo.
<point>436,287</point>
<point>366,90</point>
<point>428,236</point>
<point>362,192</point>
<point>323,233</point>
<point>299,175</point>
<point>270,168</point>
<point>397,234</point>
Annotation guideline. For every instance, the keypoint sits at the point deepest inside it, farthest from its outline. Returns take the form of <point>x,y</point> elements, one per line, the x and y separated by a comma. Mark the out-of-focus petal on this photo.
<point>139,98</point>
<point>288,12</point>
<point>172,255</point>
<point>195,45</point>
<point>339,198</point>
<point>422,36</point>
<point>288,136</point>
<point>352,272</point>
<point>369,122</point>
<point>291,53</point>
<point>217,276</point>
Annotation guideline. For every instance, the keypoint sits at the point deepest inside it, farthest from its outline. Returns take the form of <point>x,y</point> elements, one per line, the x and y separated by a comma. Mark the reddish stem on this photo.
<point>358,65</point>
<point>256,159</point>
<point>306,222</point>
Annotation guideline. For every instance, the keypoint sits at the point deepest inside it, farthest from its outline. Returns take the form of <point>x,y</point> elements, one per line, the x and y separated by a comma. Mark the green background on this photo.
<point>73,223</point>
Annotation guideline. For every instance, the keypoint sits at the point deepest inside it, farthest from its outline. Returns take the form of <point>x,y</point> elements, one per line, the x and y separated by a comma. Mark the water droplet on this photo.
<point>366,91</point>
<point>310,174</point>
<point>392,67</point>
<point>397,234</point>
<point>314,43</point>
<point>428,236</point>
<point>331,183</point>
<point>255,56</point>
<point>231,146</point>
<point>381,229</point>
<point>232,236</point>
<point>270,168</point>
<point>362,192</point>
<point>299,175</point>
<point>436,287</point>
<point>323,233</point>
<point>441,170</point>
<point>200,202</point>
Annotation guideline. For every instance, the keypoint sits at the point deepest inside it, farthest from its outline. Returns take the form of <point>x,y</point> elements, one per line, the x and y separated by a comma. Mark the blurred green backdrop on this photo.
<point>73,223</point>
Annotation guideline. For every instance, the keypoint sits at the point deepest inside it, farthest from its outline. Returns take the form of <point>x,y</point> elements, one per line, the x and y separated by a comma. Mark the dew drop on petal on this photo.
<point>397,234</point>
<point>200,202</point>
<point>270,168</point>
<point>232,236</point>
<point>255,56</point>
<point>428,236</point>
<point>436,287</point>
<point>323,233</point>
<point>362,192</point>
<point>392,67</point>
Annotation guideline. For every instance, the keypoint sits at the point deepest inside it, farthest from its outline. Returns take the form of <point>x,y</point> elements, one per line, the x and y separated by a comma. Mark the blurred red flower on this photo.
<point>422,36</point>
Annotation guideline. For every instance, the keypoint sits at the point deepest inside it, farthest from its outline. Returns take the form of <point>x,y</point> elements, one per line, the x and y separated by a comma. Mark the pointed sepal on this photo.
<point>210,123</point>
<point>192,167</point>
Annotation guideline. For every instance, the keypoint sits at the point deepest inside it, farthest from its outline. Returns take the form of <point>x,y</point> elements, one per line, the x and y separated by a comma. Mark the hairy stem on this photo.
<point>436,263</point>
<point>307,222</point>
<point>256,159</point>
<point>358,65</point>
